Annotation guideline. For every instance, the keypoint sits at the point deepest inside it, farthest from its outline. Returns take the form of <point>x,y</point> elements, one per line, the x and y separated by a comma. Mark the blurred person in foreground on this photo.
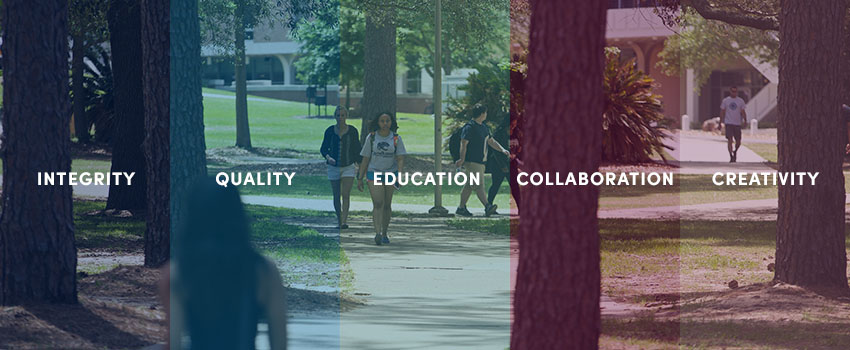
<point>221,288</point>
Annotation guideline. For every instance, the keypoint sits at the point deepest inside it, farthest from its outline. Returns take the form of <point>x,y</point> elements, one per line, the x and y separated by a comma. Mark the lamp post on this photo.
<point>438,110</point>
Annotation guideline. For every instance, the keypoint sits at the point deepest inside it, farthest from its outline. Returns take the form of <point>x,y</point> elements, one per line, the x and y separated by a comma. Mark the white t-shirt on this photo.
<point>382,158</point>
<point>734,108</point>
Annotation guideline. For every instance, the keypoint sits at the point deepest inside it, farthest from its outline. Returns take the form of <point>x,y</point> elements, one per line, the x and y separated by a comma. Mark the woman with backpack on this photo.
<point>341,150</point>
<point>383,152</point>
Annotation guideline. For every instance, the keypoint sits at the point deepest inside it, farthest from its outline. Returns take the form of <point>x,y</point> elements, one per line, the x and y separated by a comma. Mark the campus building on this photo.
<point>270,68</point>
<point>639,33</point>
<point>271,72</point>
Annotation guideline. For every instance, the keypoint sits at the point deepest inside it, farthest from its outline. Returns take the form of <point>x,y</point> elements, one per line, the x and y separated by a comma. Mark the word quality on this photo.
<point>595,179</point>
<point>435,178</point>
<point>766,178</point>
<point>253,179</point>
<point>84,178</point>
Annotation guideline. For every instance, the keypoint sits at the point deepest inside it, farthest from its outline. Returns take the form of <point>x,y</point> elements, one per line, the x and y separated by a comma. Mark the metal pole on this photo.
<point>438,110</point>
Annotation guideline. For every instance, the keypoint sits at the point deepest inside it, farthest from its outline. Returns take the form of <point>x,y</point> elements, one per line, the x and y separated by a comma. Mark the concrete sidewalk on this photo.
<point>749,210</point>
<point>433,287</point>
<point>327,205</point>
<point>702,155</point>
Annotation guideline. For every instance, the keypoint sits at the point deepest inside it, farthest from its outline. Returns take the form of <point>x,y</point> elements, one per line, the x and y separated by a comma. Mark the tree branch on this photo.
<point>707,11</point>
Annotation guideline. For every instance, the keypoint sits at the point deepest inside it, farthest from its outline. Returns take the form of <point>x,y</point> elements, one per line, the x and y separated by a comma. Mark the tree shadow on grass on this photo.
<point>769,316</point>
<point>81,320</point>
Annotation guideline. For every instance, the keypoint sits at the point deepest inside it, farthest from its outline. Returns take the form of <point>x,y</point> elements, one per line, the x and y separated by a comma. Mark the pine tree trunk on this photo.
<point>556,305</point>
<point>379,55</point>
<point>155,69</point>
<point>125,39</point>
<point>38,259</point>
<point>188,160</point>
<point>810,249</point>
<point>845,59</point>
<point>243,132</point>
<point>81,129</point>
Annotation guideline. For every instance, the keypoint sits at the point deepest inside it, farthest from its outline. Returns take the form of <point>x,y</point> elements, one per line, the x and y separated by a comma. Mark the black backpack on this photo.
<point>454,143</point>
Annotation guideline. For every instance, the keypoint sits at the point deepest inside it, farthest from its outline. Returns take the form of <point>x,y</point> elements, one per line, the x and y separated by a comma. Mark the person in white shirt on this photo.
<point>733,113</point>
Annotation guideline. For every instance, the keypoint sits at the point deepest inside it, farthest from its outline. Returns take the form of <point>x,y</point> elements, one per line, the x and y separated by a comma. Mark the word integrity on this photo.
<point>85,178</point>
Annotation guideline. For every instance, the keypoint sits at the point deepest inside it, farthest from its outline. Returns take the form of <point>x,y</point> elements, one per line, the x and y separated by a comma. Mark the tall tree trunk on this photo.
<point>188,161</point>
<point>810,249</point>
<point>243,132</point>
<point>556,304</point>
<point>845,59</point>
<point>81,129</point>
<point>38,259</point>
<point>155,70</point>
<point>379,55</point>
<point>125,39</point>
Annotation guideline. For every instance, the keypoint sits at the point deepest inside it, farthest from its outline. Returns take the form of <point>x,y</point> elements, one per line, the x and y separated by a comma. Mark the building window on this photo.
<point>627,4</point>
<point>413,82</point>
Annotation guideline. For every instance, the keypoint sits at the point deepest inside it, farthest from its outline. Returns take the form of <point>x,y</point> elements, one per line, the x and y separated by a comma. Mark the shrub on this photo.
<point>633,123</point>
<point>491,87</point>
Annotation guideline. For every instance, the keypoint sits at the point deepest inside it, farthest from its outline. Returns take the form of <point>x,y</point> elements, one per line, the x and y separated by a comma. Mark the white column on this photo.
<point>692,98</point>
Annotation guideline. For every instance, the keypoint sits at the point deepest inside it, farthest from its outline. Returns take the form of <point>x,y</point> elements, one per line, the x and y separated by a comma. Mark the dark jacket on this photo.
<point>345,150</point>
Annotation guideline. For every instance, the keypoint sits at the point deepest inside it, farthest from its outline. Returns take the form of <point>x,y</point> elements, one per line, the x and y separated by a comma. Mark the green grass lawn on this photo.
<point>645,261</point>
<point>84,165</point>
<point>301,253</point>
<point>688,189</point>
<point>765,150</point>
<point>500,226</point>
<point>273,125</point>
<point>318,187</point>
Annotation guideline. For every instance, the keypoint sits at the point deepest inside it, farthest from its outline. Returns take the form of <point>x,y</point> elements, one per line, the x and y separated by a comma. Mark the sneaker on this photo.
<point>385,239</point>
<point>378,239</point>
<point>490,209</point>
<point>463,212</point>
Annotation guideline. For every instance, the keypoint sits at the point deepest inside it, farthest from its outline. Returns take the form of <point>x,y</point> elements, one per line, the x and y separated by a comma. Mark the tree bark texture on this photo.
<point>810,248</point>
<point>379,56</point>
<point>556,305</point>
<point>188,160</point>
<point>156,68</point>
<point>81,130</point>
<point>243,130</point>
<point>38,258</point>
<point>125,39</point>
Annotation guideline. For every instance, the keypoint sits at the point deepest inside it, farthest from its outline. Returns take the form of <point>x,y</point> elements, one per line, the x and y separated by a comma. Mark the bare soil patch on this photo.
<point>117,309</point>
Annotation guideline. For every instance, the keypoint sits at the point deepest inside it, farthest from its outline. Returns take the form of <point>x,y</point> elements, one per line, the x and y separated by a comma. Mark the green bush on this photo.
<point>491,87</point>
<point>633,123</point>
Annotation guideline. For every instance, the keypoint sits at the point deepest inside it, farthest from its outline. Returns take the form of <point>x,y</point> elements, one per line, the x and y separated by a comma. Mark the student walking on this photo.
<point>733,113</point>
<point>498,167</point>
<point>383,152</point>
<point>341,150</point>
<point>474,139</point>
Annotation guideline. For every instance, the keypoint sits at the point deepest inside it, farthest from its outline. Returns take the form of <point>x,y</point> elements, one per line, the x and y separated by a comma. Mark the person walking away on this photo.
<point>221,287</point>
<point>475,137</point>
<point>383,152</point>
<point>341,150</point>
<point>733,113</point>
